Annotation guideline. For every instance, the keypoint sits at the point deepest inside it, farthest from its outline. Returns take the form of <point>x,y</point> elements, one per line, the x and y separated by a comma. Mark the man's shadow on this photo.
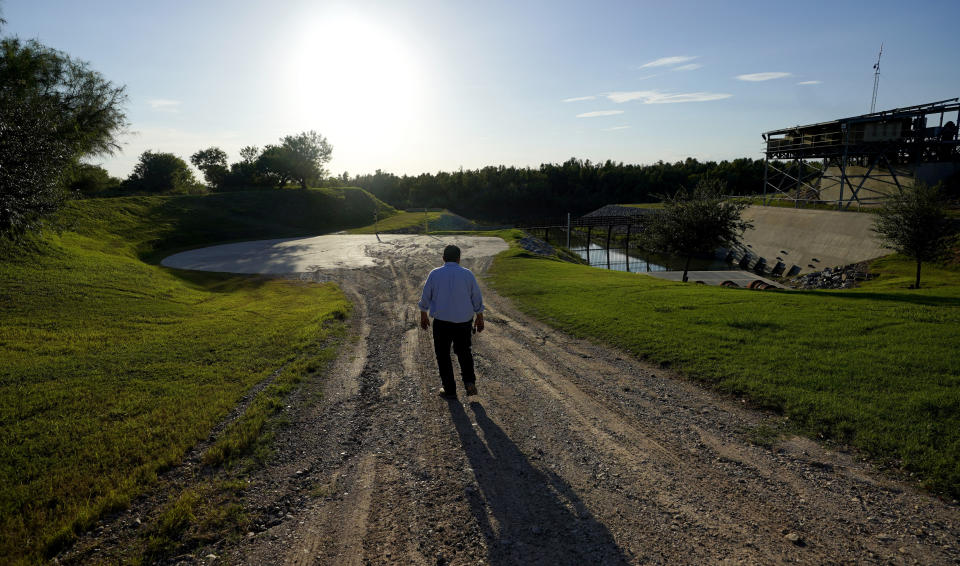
<point>539,518</point>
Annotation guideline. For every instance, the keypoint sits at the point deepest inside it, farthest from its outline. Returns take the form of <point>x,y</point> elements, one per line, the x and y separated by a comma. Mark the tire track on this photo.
<point>572,454</point>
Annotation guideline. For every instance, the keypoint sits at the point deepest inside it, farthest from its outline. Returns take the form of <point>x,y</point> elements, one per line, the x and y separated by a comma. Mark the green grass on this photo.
<point>401,221</point>
<point>877,367</point>
<point>194,517</point>
<point>413,222</point>
<point>112,367</point>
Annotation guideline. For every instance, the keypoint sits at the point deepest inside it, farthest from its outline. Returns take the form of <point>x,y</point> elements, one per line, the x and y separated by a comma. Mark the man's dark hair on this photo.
<point>451,253</point>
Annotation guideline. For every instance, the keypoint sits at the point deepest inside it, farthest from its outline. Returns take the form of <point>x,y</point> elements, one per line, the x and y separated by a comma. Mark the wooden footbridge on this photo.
<point>625,221</point>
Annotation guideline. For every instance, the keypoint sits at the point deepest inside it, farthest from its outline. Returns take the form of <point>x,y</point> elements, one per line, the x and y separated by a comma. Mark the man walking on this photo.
<point>451,296</point>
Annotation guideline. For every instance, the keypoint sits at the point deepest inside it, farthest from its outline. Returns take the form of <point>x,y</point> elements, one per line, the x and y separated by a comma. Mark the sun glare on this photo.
<point>354,80</point>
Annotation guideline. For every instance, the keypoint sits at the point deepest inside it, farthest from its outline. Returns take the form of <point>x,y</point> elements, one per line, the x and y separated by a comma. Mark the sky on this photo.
<point>426,86</point>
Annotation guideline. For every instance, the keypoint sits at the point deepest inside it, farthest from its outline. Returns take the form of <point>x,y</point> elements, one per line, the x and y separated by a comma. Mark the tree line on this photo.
<point>297,158</point>
<point>519,194</point>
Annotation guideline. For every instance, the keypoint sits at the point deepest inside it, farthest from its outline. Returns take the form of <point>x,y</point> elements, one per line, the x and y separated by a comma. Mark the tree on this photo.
<point>248,154</point>
<point>914,223</point>
<point>33,159</point>
<point>307,153</point>
<point>89,180</point>
<point>273,164</point>
<point>88,107</point>
<point>158,172</point>
<point>696,222</point>
<point>298,158</point>
<point>53,111</point>
<point>212,162</point>
<point>244,174</point>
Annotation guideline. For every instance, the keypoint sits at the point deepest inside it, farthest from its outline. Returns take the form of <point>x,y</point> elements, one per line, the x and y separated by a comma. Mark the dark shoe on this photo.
<point>471,389</point>
<point>445,395</point>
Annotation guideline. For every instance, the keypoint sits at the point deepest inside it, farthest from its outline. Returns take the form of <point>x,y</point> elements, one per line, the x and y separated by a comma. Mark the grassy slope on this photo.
<point>112,367</point>
<point>413,222</point>
<point>876,367</point>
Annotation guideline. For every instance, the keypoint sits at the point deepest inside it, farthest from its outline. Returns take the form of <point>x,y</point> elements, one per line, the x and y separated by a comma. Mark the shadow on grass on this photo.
<point>279,262</point>
<point>216,282</point>
<point>187,222</point>
<point>540,519</point>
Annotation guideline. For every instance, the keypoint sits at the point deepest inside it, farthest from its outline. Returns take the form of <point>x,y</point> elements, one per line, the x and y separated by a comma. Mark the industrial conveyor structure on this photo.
<point>862,159</point>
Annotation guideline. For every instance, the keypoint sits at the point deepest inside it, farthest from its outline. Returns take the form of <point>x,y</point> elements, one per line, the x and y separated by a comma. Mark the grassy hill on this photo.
<point>877,367</point>
<point>417,222</point>
<point>112,367</point>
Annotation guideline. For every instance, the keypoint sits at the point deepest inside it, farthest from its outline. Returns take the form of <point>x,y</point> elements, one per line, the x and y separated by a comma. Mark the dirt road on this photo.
<point>571,454</point>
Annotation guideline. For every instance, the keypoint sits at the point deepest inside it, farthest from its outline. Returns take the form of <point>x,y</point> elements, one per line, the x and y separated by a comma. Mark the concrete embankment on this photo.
<point>810,239</point>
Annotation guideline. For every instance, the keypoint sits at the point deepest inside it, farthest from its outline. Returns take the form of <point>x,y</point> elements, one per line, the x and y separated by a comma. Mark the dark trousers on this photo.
<point>457,333</point>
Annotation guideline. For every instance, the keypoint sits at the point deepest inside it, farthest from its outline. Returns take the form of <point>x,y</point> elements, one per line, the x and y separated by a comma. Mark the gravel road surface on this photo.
<point>572,453</point>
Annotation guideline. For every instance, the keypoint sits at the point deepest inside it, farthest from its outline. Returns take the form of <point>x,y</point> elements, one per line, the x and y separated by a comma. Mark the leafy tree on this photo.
<point>307,152</point>
<point>244,174</point>
<point>158,172</point>
<point>90,180</point>
<point>696,222</point>
<point>915,224</point>
<point>33,159</point>
<point>298,158</point>
<point>212,162</point>
<point>88,107</point>
<point>248,154</point>
<point>53,111</point>
<point>273,164</point>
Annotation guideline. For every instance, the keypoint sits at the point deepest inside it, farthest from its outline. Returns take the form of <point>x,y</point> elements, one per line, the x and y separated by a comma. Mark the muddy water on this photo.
<point>334,251</point>
<point>639,261</point>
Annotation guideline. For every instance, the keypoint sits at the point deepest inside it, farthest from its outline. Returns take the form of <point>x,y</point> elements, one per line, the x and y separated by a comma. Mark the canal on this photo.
<point>641,261</point>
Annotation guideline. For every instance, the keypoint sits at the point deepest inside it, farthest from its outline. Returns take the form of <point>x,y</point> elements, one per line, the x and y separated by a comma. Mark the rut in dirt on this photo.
<point>572,454</point>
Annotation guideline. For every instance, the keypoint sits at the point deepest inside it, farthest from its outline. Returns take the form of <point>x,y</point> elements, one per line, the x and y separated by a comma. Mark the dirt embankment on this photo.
<point>571,454</point>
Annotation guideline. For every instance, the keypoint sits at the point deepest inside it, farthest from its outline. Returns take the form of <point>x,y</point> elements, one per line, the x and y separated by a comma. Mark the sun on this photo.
<point>354,79</point>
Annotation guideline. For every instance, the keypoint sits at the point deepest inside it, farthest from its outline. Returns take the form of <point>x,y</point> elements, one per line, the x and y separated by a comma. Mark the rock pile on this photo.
<point>844,277</point>
<point>537,246</point>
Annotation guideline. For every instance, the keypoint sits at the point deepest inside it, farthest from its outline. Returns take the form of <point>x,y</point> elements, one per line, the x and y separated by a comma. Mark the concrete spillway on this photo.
<point>811,239</point>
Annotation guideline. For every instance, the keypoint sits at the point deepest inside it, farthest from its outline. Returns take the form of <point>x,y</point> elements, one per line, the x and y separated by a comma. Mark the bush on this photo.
<point>53,111</point>
<point>33,159</point>
<point>85,180</point>
<point>158,172</point>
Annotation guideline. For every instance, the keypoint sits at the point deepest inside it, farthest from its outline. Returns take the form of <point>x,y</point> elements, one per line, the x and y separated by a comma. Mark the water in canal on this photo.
<point>639,261</point>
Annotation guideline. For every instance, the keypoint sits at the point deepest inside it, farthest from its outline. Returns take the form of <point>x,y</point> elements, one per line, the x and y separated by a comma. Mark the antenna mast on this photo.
<point>876,81</point>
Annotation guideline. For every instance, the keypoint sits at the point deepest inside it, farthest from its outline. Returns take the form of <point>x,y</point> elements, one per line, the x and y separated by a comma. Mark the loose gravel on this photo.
<point>573,453</point>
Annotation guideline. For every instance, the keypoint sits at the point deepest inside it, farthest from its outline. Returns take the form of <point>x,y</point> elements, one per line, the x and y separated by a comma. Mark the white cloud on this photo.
<point>579,98</point>
<point>657,97</point>
<point>615,128</point>
<point>757,77</point>
<point>809,82</point>
<point>597,113</point>
<point>620,97</point>
<point>164,104</point>
<point>668,61</point>
<point>688,67</point>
